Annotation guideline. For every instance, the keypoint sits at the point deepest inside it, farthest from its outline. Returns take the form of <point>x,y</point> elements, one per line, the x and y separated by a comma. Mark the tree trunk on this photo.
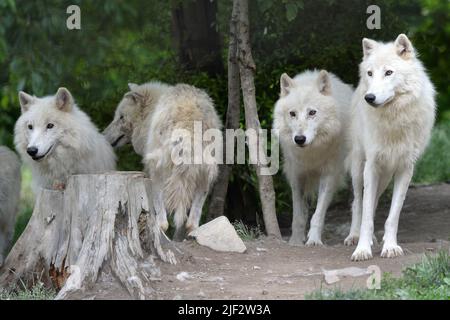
<point>219,193</point>
<point>195,35</point>
<point>100,229</point>
<point>247,68</point>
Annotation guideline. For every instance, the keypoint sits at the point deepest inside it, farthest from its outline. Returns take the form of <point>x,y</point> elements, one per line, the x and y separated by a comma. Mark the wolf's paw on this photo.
<point>362,253</point>
<point>391,251</point>
<point>314,242</point>
<point>189,228</point>
<point>314,238</point>
<point>296,241</point>
<point>351,240</point>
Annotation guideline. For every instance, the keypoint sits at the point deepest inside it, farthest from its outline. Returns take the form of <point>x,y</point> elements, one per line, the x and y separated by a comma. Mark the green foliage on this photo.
<point>126,42</point>
<point>427,280</point>
<point>432,40</point>
<point>131,41</point>
<point>435,163</point>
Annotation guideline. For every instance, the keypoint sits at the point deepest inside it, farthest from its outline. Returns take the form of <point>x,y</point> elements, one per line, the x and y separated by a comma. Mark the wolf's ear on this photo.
<point>64,100</point>
<point>25,101</point>
<point>368,46</point>
<point>324,83</point>
<point>136,97</point>
<point>286,84</point>
<point>133,86</point>
<point>404,47</point>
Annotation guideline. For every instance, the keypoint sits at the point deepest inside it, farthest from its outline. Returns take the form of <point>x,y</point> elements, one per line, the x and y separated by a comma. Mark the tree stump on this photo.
<point>101,228</point>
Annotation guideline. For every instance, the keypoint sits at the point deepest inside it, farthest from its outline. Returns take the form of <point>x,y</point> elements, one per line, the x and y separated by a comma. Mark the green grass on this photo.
<point>245,232</point>
<point>36,292</point>
<point>434,166</point>
<point>427,280</point>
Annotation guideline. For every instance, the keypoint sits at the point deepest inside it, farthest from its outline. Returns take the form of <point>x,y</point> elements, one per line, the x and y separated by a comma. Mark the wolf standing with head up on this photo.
<point>311,117</point>
<point>147,117</point>
<point>57,139</point>
<point>393,115</point>
<point>9,196</point>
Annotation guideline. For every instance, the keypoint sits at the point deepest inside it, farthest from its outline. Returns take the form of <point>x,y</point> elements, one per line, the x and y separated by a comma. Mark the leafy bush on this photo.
<point>131,41</point>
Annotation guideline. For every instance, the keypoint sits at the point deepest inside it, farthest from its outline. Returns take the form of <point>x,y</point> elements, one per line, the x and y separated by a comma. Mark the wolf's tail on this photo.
<point>179,190</point>
<point>182,182</point>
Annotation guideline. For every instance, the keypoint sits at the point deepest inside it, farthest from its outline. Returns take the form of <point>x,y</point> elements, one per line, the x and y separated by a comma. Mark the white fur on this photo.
<point>146,117</point>
<point>9,196</point>
<point>319,164</point>
<point>72,146</point>
<point>387,138</point>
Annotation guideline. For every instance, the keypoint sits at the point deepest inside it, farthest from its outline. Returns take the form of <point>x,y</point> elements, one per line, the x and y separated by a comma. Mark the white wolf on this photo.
<point>56,139</point>
<point>393,112</point>
<point>9,196</point>
<point>147,117</point>
<point>311,117</point>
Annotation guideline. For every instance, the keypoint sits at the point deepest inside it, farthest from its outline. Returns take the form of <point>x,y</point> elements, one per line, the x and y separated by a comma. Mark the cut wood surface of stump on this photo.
<point>101,231</point>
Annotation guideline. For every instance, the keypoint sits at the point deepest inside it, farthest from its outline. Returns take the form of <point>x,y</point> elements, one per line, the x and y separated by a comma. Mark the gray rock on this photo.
<point>332,276</point>
<point>219,235</point>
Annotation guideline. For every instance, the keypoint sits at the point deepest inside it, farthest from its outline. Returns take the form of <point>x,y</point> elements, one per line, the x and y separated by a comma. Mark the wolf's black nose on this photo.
<point>32,151</point>
<point>370,98</point>
<point>300,140</point>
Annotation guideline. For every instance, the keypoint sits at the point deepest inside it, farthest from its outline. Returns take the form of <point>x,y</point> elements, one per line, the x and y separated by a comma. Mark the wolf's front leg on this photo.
<point>357,173</point>
<point>326,190</point>
<point>371,179</point>
<point>299,215</point>
<point>390,247</point>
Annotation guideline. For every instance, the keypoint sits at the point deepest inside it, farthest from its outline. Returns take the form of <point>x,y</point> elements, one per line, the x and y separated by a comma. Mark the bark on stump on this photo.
<point>100,228</point>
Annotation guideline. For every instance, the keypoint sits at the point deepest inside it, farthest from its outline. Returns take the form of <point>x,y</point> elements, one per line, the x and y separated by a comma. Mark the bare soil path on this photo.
<point>272,269</point>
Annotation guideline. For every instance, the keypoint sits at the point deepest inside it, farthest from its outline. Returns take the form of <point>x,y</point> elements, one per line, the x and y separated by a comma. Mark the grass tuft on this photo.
<point>427,280</point>
<point>245,232</point>
<point>37,292</point>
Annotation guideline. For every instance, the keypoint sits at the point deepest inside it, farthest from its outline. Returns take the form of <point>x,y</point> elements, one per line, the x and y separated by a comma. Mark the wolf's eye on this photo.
<point>121,117</point>
<point>369,73</point>
<point>50,126</point>
<point>30,127</point>
<point>389,72</point>
<point>312,112</point>
<point>292,113</point>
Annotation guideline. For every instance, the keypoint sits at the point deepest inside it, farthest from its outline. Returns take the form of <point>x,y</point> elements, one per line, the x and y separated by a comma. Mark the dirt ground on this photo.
<point>271,269</point>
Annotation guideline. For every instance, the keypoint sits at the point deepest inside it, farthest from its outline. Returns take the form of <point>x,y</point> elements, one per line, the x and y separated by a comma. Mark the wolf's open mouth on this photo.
<point>114,144</point>
<point>37,158</point>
